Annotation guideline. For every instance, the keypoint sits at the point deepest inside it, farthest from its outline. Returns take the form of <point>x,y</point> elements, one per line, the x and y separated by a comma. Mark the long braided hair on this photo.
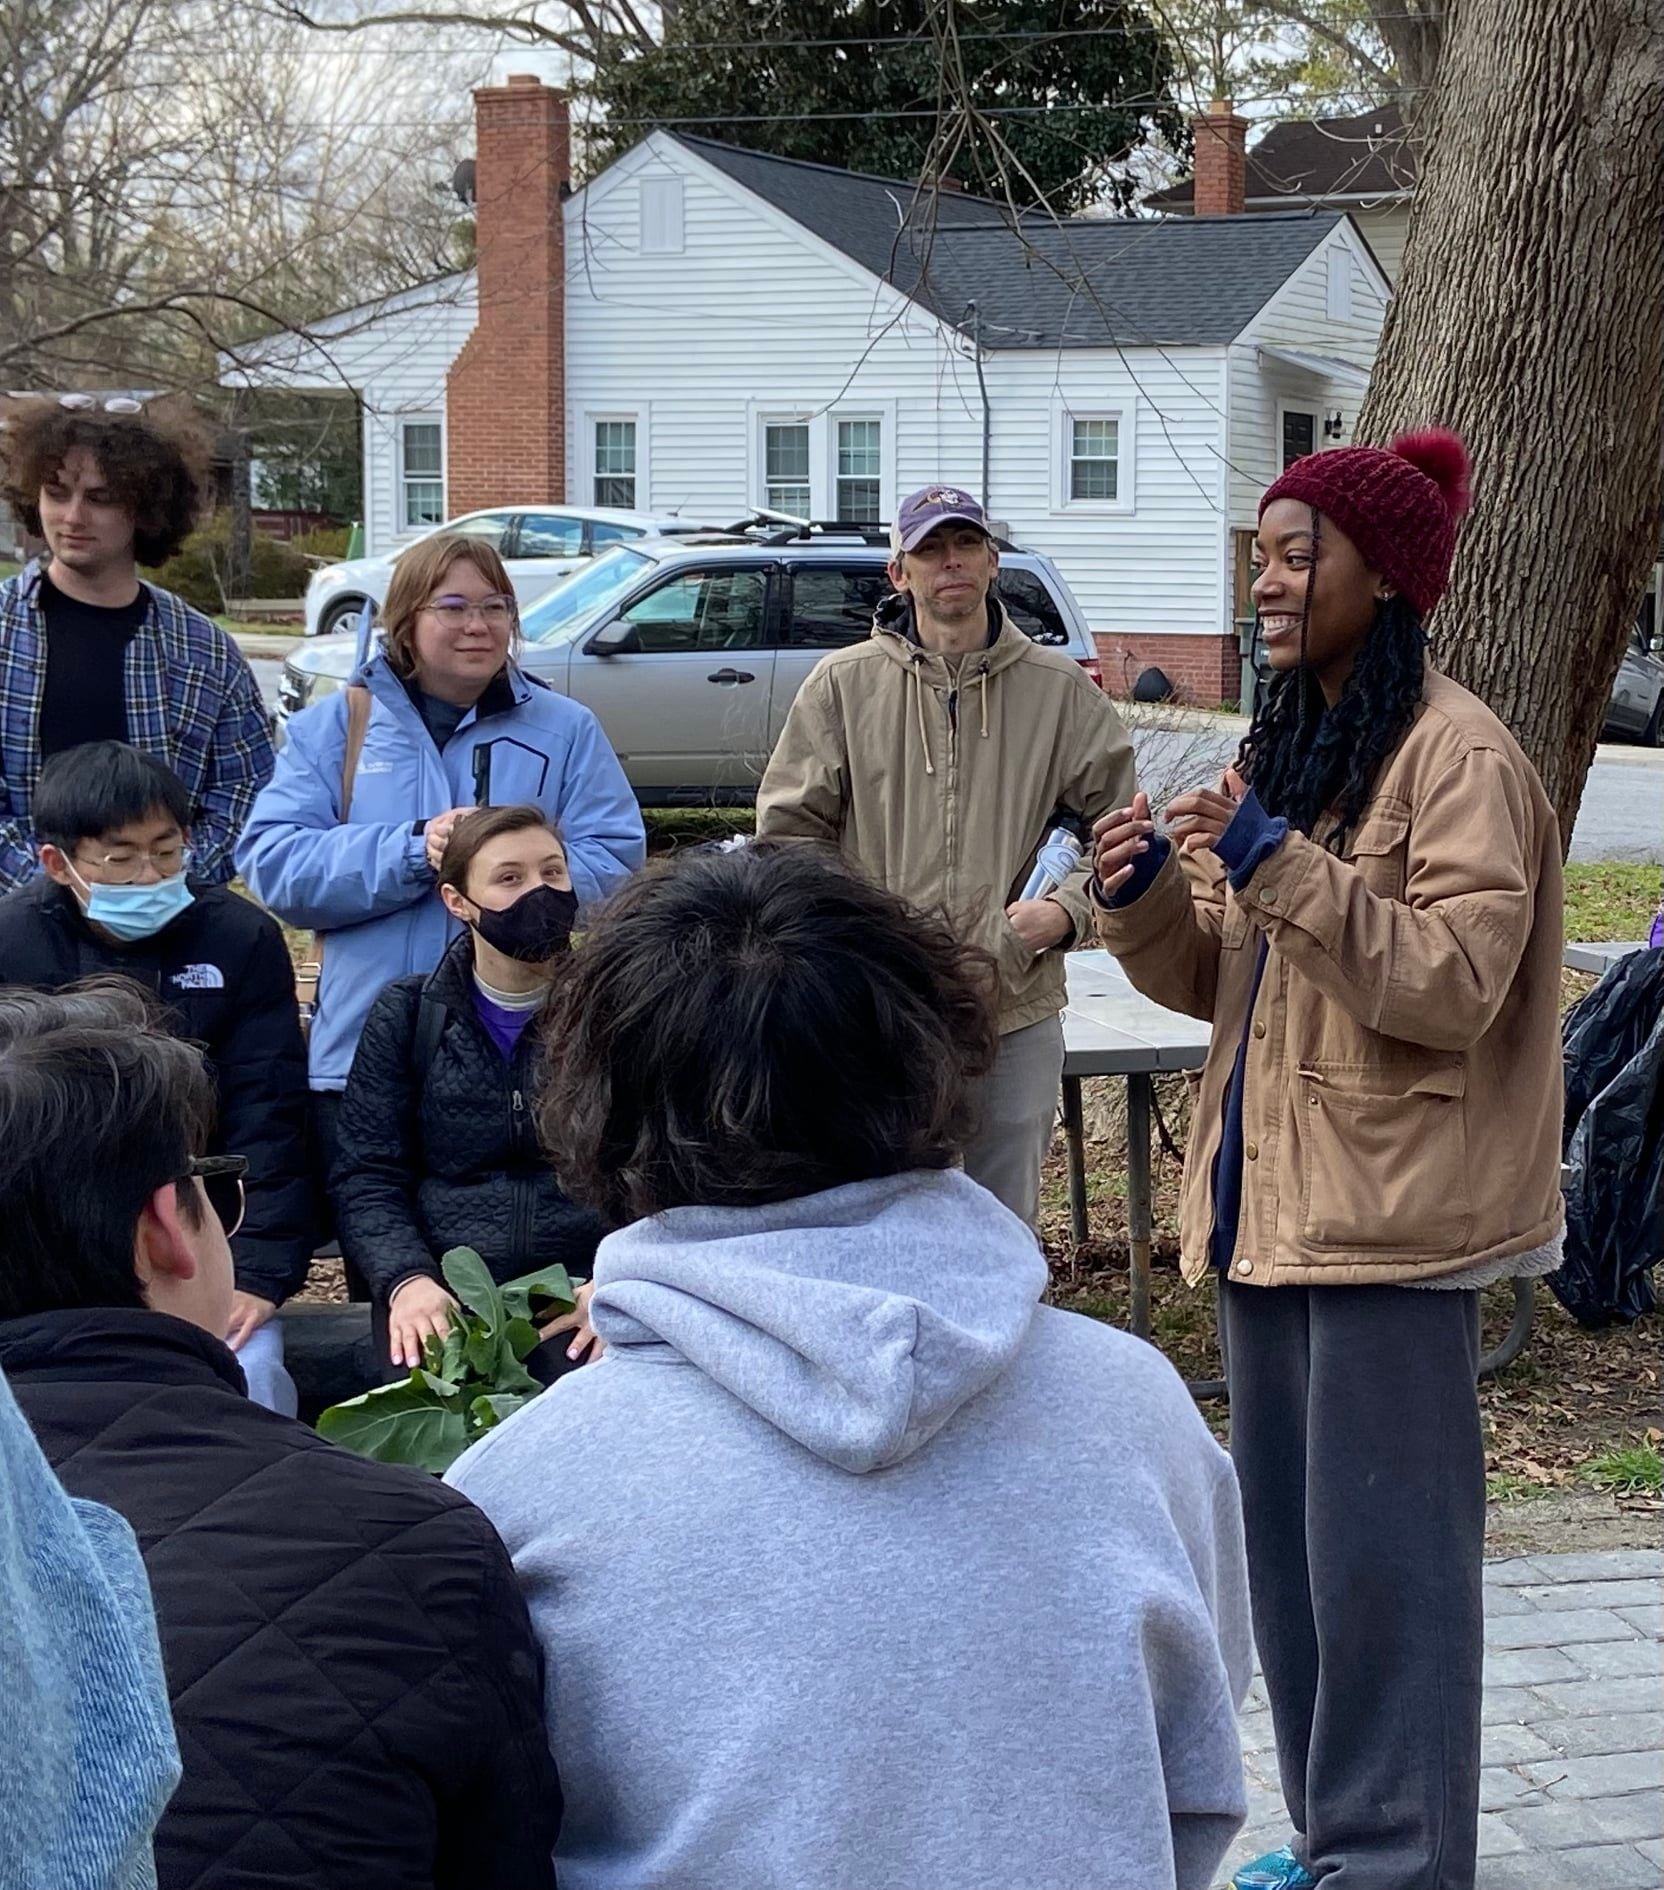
<point>1303,758</point>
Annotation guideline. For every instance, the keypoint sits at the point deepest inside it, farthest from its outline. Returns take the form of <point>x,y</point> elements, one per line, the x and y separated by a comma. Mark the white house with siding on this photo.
<point>742,330</point>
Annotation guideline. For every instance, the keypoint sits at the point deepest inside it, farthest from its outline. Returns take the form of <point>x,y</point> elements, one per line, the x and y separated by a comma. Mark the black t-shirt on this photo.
<point>85,698</point>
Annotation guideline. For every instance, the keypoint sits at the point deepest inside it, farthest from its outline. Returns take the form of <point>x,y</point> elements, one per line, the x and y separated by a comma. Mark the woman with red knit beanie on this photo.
<point>1368,910</point>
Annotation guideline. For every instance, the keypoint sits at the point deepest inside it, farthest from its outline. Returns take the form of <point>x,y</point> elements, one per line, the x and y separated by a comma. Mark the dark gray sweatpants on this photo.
<point>1356,1438</point>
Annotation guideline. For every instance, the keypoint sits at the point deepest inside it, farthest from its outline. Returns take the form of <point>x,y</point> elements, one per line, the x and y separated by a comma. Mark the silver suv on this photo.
<point>690,650</point>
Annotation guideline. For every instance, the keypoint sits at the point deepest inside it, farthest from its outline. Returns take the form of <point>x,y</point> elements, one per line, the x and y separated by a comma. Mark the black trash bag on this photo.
<point>1614,1145</point>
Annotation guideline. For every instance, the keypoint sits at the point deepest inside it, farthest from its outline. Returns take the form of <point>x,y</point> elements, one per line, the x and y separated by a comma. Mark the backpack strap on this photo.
<point>358,722</point>
<point>309,976</point>
<point>430,1027</point>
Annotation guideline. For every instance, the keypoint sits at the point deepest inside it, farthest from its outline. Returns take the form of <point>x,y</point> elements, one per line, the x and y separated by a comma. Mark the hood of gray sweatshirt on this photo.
<point>857,1567</point>
<point>841,1318</point>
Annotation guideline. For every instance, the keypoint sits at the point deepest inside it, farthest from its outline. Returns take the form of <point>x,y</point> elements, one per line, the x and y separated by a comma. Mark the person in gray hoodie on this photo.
<point>855,1567</point>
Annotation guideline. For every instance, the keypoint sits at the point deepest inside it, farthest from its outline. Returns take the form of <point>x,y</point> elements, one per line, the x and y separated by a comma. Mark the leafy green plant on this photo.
<point>466,1384</point>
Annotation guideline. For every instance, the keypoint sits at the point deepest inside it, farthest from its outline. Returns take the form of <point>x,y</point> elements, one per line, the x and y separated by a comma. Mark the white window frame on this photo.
<point>823,450</point>
<point>849,419</point>
<point>671,194</point>
<point>1125,415</point>
<point>402,520</point>
<point>1338,283</point>
<point>763,419</point>
<point>1314,411</point>
<point>587,423</point>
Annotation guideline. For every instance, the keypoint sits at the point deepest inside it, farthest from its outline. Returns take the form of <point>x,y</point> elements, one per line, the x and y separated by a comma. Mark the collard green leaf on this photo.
<point>521,1336</point>
<point>411,1422</point>
<point>492,1407</point>
<point>467,1275</point>
<point>550,1287</point>
<point>450,1360</point>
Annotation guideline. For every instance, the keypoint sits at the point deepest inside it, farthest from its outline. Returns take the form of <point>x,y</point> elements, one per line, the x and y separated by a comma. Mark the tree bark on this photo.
<point>1529,316</point>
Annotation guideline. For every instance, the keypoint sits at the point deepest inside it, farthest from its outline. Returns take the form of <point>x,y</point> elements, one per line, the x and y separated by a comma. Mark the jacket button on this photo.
<point>1252,1151</point>
<point>1268,899</point>
<point>1259,1028</point>
<point>1245,1266</point>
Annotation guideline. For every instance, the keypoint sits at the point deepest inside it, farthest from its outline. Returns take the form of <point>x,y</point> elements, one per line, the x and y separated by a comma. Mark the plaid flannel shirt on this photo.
<point>192,703</point>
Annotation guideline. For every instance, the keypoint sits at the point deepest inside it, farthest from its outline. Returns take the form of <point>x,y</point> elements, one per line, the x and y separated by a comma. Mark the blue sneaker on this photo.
<point>1276,1870</point>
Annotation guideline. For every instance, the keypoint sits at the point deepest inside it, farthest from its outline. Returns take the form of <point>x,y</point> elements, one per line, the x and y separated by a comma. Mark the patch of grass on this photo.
<point>1508,1488</point>
<point>1635,1471</point>
<point>1610,900</point>
<point>671,829</point>
<point>8,568</point>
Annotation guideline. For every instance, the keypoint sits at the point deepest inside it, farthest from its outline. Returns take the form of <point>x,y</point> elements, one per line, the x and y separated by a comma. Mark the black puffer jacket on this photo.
<point>222,975</point>
<point>448,1156</point>
<point>355,1685</point>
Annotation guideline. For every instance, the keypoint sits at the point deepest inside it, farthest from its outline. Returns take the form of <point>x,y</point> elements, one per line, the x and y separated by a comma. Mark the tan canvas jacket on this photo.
<point>1403,1092</point>
<point>942,788</point>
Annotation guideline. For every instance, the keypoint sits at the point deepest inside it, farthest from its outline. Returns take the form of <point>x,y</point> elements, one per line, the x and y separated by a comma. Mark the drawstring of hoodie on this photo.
<point>918,703</point>
<point>982,677</point>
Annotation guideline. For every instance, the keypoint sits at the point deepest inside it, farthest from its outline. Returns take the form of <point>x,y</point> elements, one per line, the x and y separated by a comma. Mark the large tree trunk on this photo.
<point>1529,316</point>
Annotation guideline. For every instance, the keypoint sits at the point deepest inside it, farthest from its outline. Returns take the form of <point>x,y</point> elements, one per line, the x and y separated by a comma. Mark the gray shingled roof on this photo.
<point>1306,160</point>
<point>1087,282</point>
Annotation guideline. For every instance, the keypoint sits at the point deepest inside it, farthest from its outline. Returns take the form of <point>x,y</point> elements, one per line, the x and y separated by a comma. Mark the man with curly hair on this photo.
<point>89,652</point>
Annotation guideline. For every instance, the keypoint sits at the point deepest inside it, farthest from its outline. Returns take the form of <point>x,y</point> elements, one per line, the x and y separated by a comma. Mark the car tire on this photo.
<point>1653,734</point>
<point>341,615</point>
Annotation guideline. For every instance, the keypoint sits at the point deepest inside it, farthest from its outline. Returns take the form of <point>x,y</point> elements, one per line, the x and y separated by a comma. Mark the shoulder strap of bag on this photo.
<point>309,976</point>
<point>430,1026</point>
<point>358,721</point>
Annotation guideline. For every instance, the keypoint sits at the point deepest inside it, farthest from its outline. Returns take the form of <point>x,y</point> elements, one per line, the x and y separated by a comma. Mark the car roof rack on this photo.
<point>779,528</point>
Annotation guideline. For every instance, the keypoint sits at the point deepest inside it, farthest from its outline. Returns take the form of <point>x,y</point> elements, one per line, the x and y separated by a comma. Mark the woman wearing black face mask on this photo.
<point>438,1147</point>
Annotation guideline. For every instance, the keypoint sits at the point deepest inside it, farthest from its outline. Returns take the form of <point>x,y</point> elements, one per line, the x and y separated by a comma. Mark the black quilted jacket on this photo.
<point>355,1684</point>
<point>448,1156</point>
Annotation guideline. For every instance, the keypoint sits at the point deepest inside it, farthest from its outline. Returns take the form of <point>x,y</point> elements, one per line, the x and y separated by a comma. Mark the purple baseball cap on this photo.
<point>922,511</point>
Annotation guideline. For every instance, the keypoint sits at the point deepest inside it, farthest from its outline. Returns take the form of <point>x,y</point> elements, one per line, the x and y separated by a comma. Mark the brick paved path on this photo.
<point>1572,1794</point>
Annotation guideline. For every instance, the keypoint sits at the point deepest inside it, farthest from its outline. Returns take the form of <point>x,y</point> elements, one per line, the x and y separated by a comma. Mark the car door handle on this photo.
<point>729,677</point>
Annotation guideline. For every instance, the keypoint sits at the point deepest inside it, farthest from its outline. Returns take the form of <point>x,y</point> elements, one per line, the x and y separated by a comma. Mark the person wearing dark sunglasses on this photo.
<point>353,1678</point>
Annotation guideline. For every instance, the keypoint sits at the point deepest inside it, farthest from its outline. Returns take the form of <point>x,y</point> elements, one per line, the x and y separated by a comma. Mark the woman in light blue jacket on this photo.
<point>346,838</point>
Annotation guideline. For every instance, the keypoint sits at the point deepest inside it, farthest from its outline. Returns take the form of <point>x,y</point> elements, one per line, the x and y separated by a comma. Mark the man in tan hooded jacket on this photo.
<point>935,756</point>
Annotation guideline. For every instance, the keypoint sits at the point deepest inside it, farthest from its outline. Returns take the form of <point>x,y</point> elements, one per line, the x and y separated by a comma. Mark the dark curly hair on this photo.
<point>1305,760</point>
<point>759,1025</point>
<point>156,469</point>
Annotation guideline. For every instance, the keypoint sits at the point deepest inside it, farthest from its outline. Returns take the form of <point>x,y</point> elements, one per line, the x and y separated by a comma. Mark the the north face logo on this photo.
<point>199,978</point>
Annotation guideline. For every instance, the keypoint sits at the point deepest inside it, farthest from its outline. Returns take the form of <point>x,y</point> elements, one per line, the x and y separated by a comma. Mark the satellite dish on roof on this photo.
<point>462,181</point>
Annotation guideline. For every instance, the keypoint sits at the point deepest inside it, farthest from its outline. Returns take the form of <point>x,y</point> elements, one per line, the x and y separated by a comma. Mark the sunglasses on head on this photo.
<point>222,1181</point>
<point>89,403</point>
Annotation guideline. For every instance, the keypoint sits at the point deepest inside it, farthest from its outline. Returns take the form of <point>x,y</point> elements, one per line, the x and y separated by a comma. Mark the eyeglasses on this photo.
<point>88,403</point>
<point>222,1181</point>
<point>123,868</point>
<point>453,612</point>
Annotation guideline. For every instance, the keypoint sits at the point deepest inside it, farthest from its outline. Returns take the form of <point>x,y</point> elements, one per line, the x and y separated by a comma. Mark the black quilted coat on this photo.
<point>355,1685</point>
<point>448,1156</point>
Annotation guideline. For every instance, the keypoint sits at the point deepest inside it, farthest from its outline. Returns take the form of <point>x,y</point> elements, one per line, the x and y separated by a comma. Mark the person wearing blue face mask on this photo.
<point>117,894</point>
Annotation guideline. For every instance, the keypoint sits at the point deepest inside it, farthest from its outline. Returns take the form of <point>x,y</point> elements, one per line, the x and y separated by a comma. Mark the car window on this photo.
<point>1032,607</point>
<point>832,604</point>
<point>541,537</point>
<point>585,596</point>
<point>722,609</point>
<point>604,532</point>
<point>491,526</point>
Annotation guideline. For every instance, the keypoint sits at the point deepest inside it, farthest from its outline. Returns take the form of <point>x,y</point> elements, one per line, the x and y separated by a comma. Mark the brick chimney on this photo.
<point>1221,161</point>
<point>505,397</point>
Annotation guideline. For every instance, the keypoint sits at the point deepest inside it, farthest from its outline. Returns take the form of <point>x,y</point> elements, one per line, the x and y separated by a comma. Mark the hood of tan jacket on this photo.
<point>942,786</point>
<point>1403,1090</point>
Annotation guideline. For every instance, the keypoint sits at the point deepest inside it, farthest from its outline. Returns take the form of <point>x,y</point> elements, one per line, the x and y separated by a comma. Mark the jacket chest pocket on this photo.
<point>1383,1160</point>
<point>1379,848</point>
<point>506,771</point>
